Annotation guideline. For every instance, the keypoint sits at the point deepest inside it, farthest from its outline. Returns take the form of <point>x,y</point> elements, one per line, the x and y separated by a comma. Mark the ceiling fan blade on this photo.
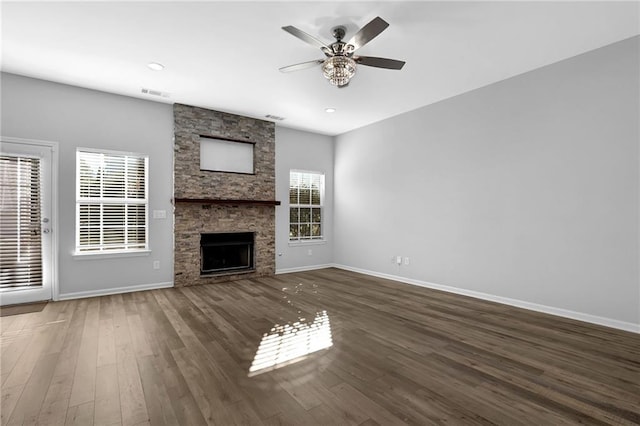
<point>368,32</point>
<point>301,66</point>
<point>306,37</point>
<point>372,61</point>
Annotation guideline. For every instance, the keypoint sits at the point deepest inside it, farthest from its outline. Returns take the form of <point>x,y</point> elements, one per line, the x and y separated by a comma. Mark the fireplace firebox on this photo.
<point>226,252</point>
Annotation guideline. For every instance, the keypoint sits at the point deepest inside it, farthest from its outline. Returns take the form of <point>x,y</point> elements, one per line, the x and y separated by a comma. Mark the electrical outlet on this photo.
<point>406,260</point>
<point>309,252</point>
<point>156,264</point>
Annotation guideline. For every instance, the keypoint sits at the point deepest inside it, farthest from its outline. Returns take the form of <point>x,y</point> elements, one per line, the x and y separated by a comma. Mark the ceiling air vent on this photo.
<point>274,117</point>
<point>155,93</point>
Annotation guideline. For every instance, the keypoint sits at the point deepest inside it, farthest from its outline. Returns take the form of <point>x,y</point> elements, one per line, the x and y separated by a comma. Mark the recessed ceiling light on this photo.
<point>155,66</point>
<point>329,110</point>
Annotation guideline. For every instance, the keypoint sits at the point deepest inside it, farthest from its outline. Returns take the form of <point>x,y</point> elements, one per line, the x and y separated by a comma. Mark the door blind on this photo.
<point>20,222</point>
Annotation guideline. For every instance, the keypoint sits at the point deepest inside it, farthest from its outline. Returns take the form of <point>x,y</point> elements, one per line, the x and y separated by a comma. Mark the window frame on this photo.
<point>100,250</point>
<point>311,240</point>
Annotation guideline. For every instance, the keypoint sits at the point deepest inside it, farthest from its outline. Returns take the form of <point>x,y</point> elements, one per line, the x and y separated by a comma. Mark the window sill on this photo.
<point>111,255</point>
<point>307,243</point>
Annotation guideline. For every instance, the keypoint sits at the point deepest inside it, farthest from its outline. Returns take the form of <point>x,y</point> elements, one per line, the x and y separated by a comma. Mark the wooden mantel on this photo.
<point>227,202</point>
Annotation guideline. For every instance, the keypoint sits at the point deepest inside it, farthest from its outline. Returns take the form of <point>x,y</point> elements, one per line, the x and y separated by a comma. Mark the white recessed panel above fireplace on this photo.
<point>226,156</point>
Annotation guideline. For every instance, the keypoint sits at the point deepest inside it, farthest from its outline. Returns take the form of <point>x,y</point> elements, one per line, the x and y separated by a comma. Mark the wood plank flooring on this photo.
<point>399,355</point>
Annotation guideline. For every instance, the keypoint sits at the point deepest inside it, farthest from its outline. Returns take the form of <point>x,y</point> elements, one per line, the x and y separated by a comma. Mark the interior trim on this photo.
<point>114,290</point>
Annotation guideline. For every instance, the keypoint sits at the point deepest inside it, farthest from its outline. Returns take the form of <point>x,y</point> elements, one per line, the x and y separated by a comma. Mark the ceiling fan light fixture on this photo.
<point>339,70</point>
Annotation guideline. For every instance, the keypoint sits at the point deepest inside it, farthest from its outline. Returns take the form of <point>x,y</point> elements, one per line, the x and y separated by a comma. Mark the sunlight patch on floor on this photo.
<point>291,342</point>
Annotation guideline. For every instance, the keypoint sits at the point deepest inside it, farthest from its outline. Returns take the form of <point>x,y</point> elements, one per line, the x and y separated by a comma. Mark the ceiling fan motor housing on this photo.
<point>341,48</point>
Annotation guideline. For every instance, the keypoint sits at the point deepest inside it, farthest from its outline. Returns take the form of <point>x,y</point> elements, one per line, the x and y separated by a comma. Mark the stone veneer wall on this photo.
<point>190,182</point>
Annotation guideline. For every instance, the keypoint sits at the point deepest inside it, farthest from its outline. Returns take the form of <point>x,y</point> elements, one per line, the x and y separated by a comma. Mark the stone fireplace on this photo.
<point>219,212</point>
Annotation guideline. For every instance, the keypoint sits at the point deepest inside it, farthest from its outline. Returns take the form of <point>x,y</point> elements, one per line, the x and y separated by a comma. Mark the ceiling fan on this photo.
<point>340,64</point>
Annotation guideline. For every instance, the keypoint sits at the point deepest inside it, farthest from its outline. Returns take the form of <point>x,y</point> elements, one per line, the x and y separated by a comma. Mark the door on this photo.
<point>26,246</point>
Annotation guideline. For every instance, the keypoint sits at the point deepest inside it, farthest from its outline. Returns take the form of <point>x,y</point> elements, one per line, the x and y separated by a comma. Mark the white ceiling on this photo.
<point>225,55</point>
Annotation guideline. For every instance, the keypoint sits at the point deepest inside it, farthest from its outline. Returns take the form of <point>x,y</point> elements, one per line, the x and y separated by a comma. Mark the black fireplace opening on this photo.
<point>226,252</point>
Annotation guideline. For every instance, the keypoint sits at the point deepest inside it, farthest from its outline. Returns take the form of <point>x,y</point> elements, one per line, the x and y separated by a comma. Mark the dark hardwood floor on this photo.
<point>381,353</point>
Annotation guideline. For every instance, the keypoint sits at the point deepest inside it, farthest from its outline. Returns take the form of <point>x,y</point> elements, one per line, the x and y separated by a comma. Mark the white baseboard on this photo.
<point>114,290</point>
<point>594,319</point>
<point>302,269</point>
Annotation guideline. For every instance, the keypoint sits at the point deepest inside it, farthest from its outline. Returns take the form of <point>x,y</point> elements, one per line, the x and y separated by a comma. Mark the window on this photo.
<point>111,201</point>
<point>306,193</point>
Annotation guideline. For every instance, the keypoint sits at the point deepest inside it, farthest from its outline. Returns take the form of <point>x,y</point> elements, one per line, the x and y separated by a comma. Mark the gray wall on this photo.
<point>525,189</point>
<point>305,151</point>
<point>75,117</point>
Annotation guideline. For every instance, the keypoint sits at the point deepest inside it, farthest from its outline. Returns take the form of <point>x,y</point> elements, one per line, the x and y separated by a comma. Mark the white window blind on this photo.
<point>305,205</point>
<point>111,202</point>
<point>20,227</point>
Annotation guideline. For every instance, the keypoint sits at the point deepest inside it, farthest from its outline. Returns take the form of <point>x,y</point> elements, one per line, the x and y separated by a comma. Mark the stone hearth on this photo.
<point>190,183</point>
